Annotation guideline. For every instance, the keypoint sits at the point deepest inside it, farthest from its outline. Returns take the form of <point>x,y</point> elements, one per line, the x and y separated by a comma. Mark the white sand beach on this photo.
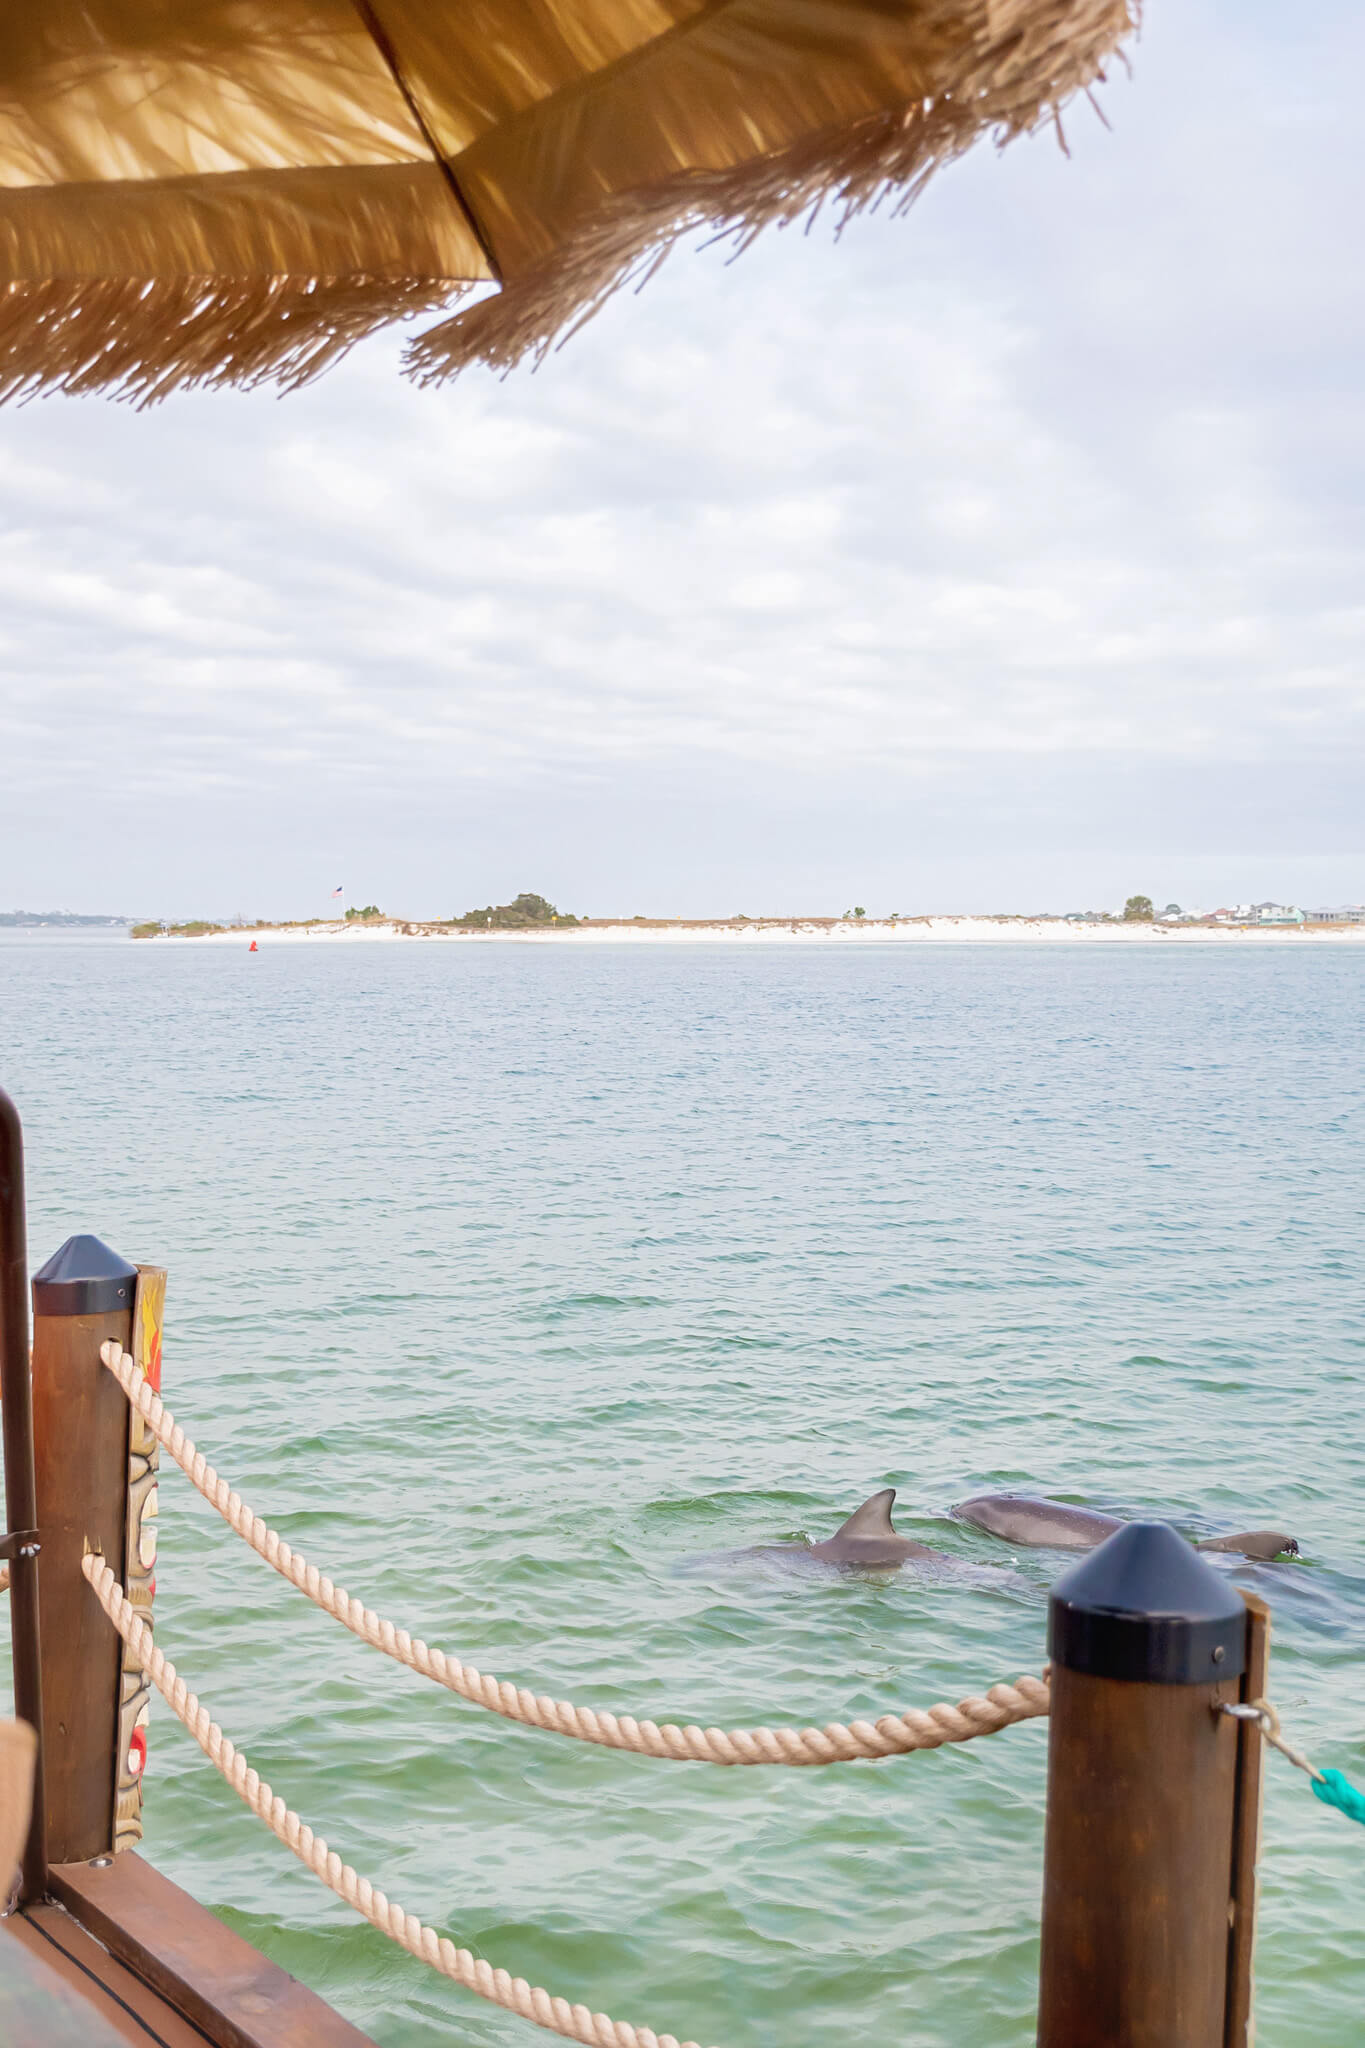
<point>940,931</point>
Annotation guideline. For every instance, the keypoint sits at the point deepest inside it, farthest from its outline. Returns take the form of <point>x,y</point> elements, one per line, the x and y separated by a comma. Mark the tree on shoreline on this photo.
<point>1138,910</point>
<point>523,912</point>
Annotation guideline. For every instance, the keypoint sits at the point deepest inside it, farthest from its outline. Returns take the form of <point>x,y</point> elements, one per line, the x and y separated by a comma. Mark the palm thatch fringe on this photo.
<point>1016,63</point>
<point>1033,56</point>
<point>140,340</point>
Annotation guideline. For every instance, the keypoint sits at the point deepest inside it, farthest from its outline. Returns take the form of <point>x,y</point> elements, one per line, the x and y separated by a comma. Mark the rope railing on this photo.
<point>838,1742</point>
<point>1330,1786</point>
<point>513,1994</point>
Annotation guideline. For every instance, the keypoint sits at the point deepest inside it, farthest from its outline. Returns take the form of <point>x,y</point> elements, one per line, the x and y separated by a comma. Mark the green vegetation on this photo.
<point>523,912</point>
<point>370,910</point>
<point>195,929</point>
<point>1138,910</point>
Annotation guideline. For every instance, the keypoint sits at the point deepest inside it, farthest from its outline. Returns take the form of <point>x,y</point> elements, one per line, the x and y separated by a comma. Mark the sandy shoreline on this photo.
<point>959,931</point>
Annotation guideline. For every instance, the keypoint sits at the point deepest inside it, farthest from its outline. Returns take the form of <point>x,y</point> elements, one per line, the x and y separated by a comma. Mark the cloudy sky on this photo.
<point>1006,556</point>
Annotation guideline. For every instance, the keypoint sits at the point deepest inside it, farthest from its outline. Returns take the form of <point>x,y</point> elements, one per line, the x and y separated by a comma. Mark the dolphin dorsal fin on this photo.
<point>873,1518</point>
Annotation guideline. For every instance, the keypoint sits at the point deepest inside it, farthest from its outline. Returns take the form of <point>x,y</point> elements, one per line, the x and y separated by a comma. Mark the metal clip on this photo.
<point>1268,1718</point>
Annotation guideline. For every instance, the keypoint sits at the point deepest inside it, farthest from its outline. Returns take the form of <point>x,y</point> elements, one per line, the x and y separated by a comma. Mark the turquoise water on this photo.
<point>504,1281</point>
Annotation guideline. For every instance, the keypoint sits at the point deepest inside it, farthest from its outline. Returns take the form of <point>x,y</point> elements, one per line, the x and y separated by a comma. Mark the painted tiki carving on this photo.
<point>139,1561</point>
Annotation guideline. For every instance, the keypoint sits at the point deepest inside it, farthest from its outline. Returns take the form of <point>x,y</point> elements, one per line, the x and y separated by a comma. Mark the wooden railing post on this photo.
<point>21,1503</point>
<point>139,1555</point>
<point>83,1296</point>
<point>1148,1642</point>
<point>1239,2031</point>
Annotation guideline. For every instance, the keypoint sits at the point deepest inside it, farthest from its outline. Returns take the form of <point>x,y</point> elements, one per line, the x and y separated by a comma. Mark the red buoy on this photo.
<point>252,947</point>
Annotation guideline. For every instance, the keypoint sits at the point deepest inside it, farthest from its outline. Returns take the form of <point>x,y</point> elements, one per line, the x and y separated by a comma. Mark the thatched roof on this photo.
<point>229,191</point>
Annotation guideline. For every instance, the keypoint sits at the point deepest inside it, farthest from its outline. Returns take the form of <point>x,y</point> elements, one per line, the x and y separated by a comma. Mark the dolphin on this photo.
<point>1018,1519</point>
<point>868,1538</point>
<point>1051,1523</point>
<point>1263,1544</point>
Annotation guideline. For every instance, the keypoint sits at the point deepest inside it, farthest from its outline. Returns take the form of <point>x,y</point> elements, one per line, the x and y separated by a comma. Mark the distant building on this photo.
<point>1276,913</point>
<point>1345,913</point>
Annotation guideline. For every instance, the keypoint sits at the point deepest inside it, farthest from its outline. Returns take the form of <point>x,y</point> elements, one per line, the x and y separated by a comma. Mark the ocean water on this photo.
<point>510,1282</point>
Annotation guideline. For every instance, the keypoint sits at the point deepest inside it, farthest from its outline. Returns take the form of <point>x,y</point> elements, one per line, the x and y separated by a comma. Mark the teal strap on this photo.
<point>1334,1790</point>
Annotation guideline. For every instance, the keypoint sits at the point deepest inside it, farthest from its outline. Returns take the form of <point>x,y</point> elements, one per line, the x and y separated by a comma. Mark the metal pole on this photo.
<point>21,1497</point>
<point>1147,1643</point>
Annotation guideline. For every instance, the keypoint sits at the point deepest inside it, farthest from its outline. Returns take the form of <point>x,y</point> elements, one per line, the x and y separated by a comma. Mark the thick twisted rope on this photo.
<point>891,1735</point>
<point>4,1578</point>
<point>514,1994</point>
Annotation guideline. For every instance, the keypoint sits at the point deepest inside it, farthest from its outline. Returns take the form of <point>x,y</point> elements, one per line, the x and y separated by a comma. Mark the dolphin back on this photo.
<point>869,1538</point>
<point>1051,1524</point>
<point>1265,1545</point>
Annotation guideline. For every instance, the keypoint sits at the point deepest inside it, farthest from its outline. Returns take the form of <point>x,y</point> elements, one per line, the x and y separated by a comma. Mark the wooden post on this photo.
<point>1148,1642</point>
<point>139,1568</point>
<point>82,1297</point>
<point>21,1502</point>
<point>1246,1850</point>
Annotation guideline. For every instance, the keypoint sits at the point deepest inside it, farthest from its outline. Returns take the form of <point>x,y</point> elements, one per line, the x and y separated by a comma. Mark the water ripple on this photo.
<point>514,1286</point>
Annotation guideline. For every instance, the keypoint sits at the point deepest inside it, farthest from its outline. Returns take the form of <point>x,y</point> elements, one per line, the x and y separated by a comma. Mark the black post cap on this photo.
<point>1145,1606</point>
<point>84,1278</point>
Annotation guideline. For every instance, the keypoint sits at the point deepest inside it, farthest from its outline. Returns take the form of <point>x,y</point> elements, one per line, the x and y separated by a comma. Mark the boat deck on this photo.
<point>121,1955</point>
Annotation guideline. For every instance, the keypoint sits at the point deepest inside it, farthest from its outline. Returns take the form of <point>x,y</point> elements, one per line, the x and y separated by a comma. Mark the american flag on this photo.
<point>336,892</point>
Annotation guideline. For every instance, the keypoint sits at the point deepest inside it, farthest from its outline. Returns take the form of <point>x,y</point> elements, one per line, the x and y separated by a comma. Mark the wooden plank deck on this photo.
<point>121,1955</point>
<point>60,1989</point>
